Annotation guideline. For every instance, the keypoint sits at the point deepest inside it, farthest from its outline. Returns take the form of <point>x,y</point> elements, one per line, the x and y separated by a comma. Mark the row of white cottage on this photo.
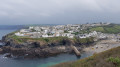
<point>38,34</point>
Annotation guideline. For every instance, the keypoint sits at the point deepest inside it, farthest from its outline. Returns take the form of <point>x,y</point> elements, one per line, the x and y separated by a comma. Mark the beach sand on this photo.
<point>101,46</point>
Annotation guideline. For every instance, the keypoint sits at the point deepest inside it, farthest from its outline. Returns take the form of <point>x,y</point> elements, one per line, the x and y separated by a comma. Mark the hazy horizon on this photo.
<point>24,12</point>
<point>47,24</point>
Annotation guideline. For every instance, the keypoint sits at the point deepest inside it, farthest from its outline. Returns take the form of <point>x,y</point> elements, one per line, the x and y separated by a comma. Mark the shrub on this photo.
<point>115,61</point>
<point>47,40</point>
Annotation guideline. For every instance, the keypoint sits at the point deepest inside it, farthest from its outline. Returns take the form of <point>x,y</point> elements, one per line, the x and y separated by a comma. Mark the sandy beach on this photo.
<point>102,46</point>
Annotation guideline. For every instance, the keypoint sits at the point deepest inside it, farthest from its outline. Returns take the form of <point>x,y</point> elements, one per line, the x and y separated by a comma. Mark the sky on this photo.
<point>58,11</point>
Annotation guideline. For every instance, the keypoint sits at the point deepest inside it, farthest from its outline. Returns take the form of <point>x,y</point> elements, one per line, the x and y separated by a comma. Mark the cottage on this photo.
<point>45,35</point>
<point>24,30</point>
<point>19,34</point>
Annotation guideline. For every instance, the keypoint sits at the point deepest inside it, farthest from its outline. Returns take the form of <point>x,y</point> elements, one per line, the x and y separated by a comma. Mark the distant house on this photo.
<point>69,35</point>
<point>94,33</point>
<point>45,35</point>
<point>24,30</point>
<point>36,35</point>
<point>19,34</point>
<point>31,28</point>
<point>46,31</point>
<point>37,28</point>
<point>71,31</point>
<point>57,34</point>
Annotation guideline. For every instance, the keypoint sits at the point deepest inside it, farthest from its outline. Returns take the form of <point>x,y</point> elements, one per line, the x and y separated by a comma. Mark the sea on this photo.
<point>41,62</point>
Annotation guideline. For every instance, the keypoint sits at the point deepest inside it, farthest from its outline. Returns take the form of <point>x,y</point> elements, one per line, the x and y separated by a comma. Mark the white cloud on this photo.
<point>52,8</point>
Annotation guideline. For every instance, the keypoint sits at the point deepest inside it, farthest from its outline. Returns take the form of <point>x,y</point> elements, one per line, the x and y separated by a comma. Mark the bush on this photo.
<point>115,61</point>
<point>47,40</point>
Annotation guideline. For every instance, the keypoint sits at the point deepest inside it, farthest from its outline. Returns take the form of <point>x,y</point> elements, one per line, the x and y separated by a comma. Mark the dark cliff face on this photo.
<point>34,44</point>
<point>37,49</point>
<point>34,49</point>
<point>34,52</point>
<point>45,42</point>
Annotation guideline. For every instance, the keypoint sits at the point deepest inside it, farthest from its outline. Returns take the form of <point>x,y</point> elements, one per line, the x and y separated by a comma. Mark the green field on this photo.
<point>98,29</point>
<point>107,29</point>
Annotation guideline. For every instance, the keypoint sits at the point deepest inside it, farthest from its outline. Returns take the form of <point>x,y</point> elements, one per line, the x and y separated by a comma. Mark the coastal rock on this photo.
<point>0,41</point>
<point>1,51</point>
<point>34,52</point>
<point>8,55</point>
<point>37,48</point>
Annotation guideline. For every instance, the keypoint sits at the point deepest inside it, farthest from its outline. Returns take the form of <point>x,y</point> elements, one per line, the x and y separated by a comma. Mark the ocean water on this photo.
<point>42,62</point>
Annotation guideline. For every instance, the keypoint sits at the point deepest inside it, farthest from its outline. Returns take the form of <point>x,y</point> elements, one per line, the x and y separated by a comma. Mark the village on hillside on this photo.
<point>69,30</point>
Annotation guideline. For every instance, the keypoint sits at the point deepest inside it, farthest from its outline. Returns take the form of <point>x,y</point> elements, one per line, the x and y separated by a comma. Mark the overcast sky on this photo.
<point>58,11</point>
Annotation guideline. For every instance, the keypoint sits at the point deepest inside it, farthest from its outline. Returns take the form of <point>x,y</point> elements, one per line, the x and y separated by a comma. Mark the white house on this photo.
<point>45,35</point>
<point>57,34</point>
<point>37,28</point>
<point>94,33</point>
<point>36,35</point>
<point>71,31</point>
<point>31,28</point>
<point>24,30</point>
<point>46,31</point>
<point>19,34</point>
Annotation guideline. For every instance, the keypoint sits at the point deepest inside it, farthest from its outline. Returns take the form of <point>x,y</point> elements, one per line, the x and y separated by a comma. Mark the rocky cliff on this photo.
<point>41,47</point>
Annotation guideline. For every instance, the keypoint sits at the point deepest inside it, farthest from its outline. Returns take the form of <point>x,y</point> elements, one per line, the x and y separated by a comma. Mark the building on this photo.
<point>19,34</point>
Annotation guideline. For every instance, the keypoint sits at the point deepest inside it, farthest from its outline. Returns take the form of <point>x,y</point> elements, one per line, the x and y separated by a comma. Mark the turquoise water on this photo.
<point>42,62</point>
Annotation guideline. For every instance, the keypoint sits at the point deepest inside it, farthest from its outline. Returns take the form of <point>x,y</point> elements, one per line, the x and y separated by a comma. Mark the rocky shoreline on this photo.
<point>34,49</point>
<point>35,52</point>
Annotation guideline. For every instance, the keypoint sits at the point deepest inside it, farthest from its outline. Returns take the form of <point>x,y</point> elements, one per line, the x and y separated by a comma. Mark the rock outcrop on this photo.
<point>36,49</point>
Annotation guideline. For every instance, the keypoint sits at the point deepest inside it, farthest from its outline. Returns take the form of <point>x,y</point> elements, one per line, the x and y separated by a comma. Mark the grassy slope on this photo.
<point>52,39</point>
<point>109,58</point>
<point>20,39</point>
<point>107,29</point>
<point>24,39</point>
<point>99,29</point>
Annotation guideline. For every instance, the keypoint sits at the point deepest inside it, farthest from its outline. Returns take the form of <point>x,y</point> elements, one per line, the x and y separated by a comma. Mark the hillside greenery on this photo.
<point>112,28</point>
<point>21,39</point>
<point>109,58</point>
